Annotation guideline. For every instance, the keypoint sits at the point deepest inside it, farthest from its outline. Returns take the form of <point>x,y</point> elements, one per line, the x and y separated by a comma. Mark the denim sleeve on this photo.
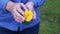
<point>38,3</point>
<point>3,4</point>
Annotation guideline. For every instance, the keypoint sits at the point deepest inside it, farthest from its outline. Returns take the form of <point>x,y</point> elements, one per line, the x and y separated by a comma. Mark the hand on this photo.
<point>17,12</point>
<point>30,7</point>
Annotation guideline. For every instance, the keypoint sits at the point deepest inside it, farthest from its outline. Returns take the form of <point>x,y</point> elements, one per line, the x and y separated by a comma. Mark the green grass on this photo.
<point>50,17</point>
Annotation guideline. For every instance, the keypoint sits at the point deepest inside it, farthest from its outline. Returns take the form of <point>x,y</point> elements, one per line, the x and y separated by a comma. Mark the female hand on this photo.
<point>30,7</point>
<point>17,12</point>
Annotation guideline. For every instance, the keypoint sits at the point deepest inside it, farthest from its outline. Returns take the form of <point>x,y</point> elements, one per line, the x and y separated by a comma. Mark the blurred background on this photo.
<point>50,17</point>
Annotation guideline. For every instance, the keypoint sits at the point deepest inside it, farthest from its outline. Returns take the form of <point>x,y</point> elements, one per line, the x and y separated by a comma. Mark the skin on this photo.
<point>17,12</point>
<point>30,6</point>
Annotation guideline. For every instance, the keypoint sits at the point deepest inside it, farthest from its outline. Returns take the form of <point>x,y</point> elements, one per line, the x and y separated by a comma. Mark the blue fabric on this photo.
<point>6,31</point>
<point>38,3</point>
<point>7,20</point>
<point>32,30</point>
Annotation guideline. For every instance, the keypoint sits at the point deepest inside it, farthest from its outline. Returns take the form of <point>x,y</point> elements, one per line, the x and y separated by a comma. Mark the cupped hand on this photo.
<point>30,7</point>
<point>17,12</point>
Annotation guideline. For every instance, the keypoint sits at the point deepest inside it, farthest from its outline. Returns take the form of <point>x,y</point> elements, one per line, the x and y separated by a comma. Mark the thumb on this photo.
<point>34,17</point>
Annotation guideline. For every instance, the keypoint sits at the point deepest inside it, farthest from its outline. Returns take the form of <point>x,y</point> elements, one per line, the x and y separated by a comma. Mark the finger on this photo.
<point>30,8</point>
<point>18,15</point>
<point>18,20</point>
<point>21,19</point>
<point>34,17</point>
<point>20,10</point>
<point>23,6</point>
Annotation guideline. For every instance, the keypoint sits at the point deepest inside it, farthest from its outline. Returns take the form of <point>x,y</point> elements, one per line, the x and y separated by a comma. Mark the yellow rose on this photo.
<point>28,15</point>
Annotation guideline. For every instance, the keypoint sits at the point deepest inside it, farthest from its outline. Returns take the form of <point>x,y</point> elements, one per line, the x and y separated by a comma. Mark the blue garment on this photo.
<point>32,30</point>
<point>7,20</point>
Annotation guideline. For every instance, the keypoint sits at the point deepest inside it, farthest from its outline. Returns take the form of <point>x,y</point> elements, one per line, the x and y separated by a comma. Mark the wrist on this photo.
<point>9,5</point>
